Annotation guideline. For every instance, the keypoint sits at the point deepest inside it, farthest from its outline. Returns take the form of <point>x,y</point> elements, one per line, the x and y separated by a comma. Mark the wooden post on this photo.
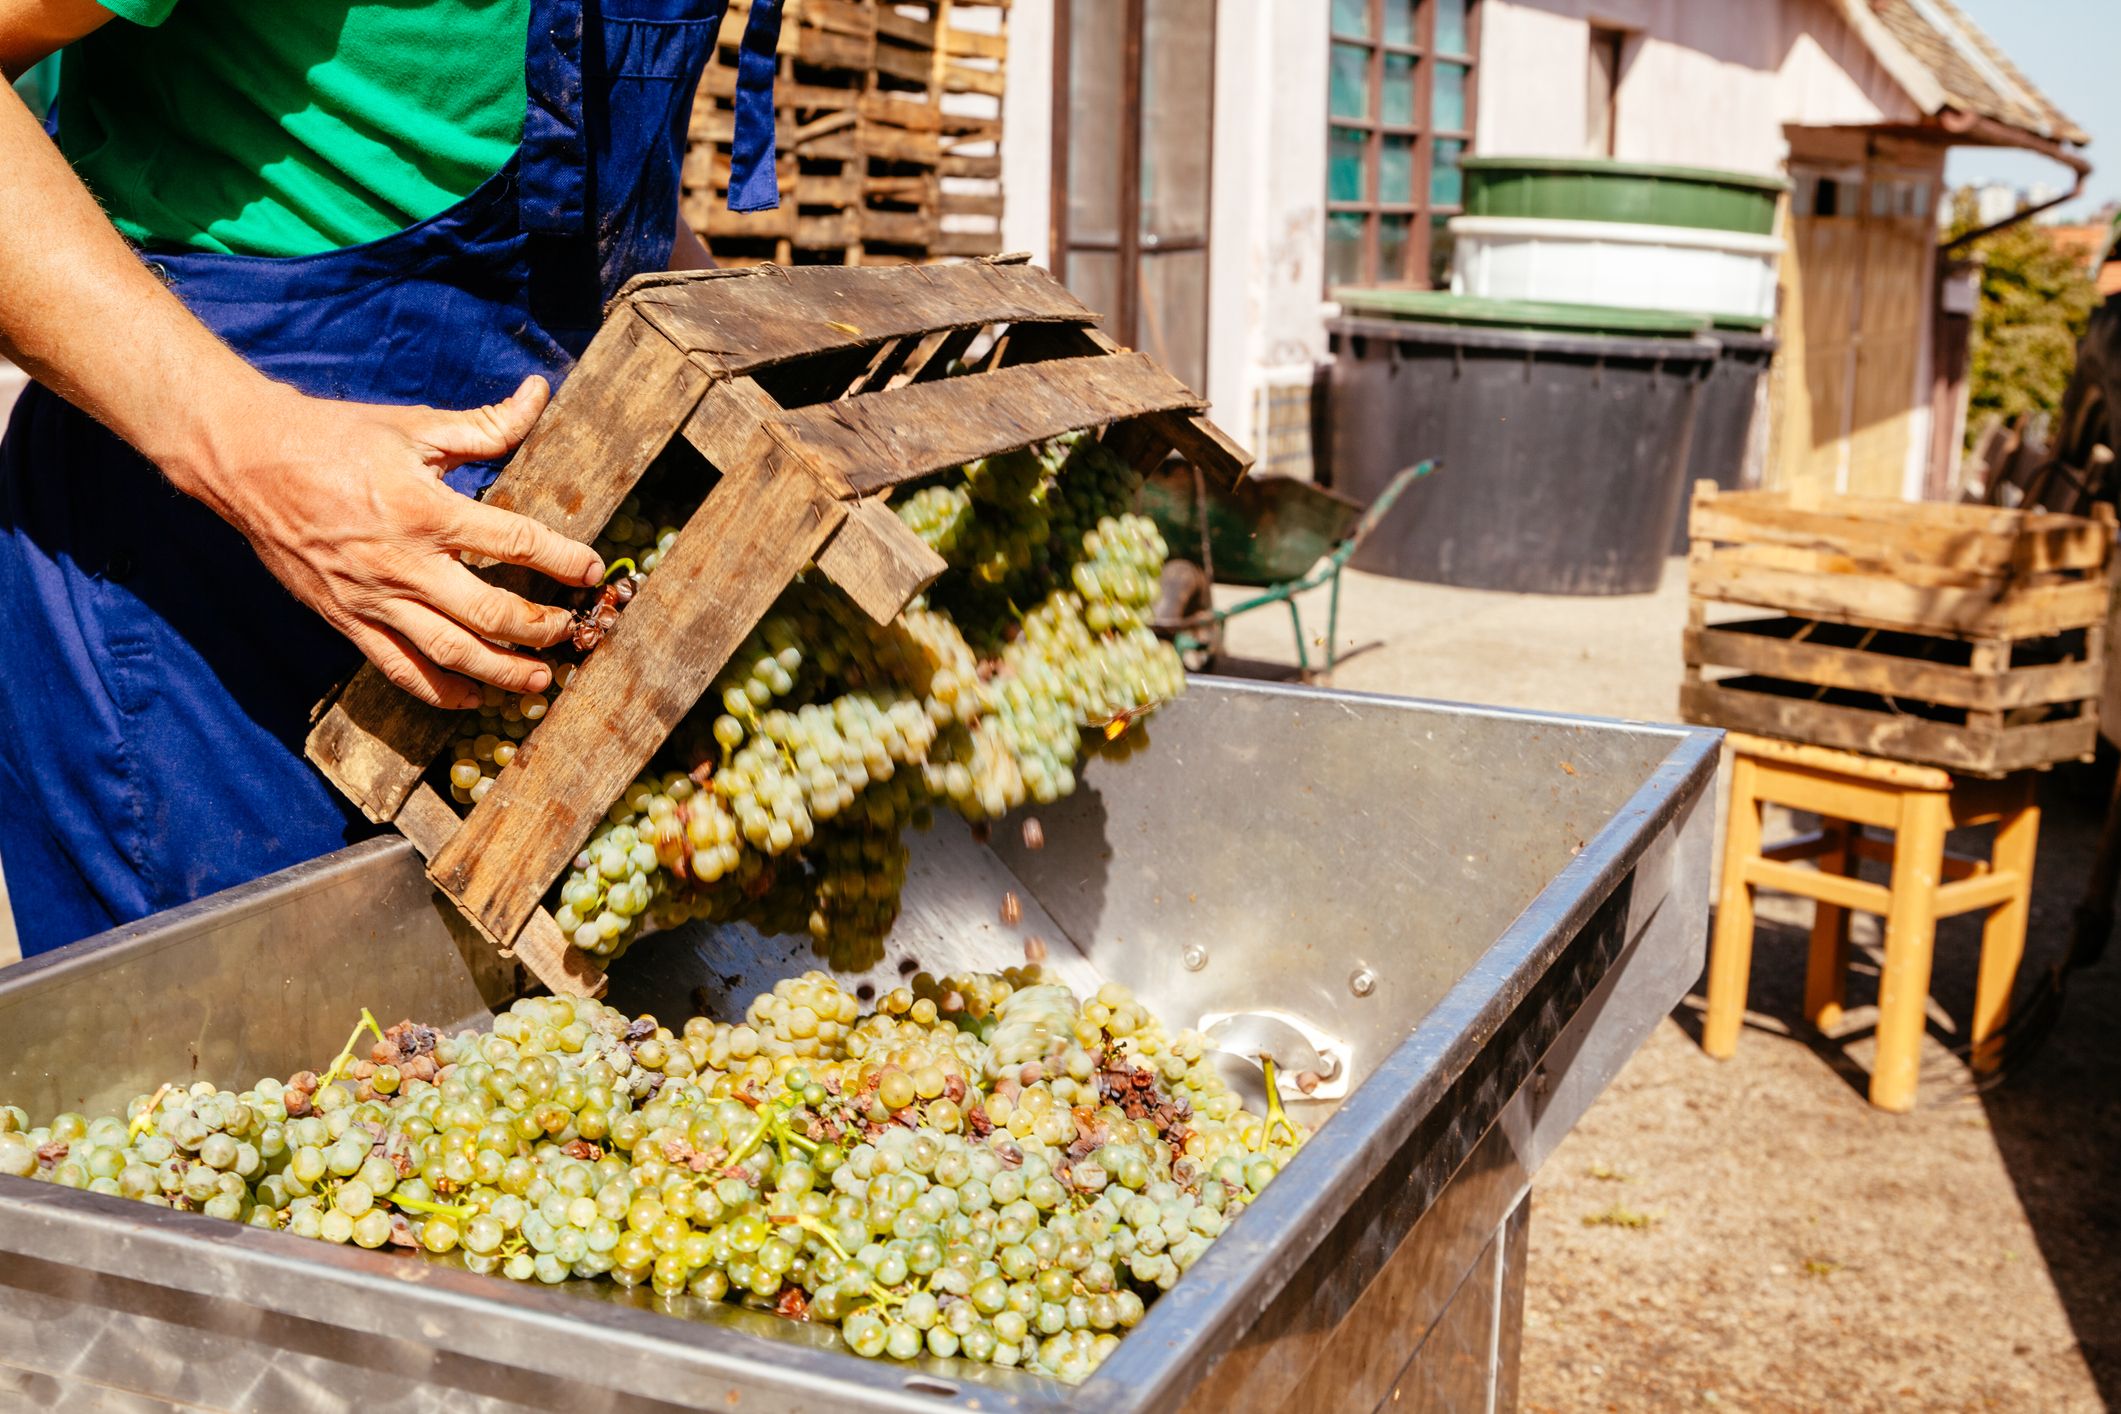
<point>1910,939</point>
<point>2003,934</point>
<point>1731,953</point>
<point>1826,971</point>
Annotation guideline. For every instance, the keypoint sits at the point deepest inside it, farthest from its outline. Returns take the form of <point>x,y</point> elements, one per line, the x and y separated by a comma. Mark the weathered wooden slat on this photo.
<point>878,560</point>
<point>909,432</point>
<point>375,741</point>
<point>428,821</point>
<point>755,531</point>
<point>1890,675</point>
<point>1973,750</point>
<point>2019,549</point>
<point>768,316</point>
<point>1190,434</point>
<point>1882,602</point>
<point>620,407</point>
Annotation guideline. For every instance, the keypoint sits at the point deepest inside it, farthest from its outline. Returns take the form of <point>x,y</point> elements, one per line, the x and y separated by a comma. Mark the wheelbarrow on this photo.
<point>1277,534</point>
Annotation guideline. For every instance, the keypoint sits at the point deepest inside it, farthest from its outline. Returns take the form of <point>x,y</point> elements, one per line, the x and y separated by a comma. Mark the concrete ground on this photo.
<point>1751,1234</point>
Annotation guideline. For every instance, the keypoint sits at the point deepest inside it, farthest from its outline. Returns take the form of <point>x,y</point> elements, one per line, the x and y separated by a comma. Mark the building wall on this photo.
<point>1266,270</point>
<point>1708,83</point>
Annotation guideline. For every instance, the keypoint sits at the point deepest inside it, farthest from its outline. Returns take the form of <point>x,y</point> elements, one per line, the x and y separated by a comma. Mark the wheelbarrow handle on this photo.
<point>1382,506</point>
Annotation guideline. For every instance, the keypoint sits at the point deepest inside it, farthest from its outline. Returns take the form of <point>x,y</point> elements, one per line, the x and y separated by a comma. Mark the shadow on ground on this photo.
<point>2055,1113</point>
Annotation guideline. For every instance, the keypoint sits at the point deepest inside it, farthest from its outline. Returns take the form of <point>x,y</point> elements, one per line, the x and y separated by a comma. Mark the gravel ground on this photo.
<point>1752,1234</point>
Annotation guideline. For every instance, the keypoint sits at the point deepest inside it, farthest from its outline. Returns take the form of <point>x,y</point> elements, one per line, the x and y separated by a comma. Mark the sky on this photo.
<point>2071,50</point>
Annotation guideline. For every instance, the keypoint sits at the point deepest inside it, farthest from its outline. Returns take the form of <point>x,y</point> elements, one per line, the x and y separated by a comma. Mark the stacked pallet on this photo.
<point>889,132</point>
<point>1966,637</point>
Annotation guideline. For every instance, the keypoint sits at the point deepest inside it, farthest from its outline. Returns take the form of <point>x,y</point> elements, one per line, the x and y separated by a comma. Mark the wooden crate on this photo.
<point>1959,636</point>
<point>889,135</point>
<point>812,392</point>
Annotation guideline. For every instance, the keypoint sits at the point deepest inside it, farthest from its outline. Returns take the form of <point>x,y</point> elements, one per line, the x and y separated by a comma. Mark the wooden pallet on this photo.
<point>889,135</point>
<point>812,392</point>
<point>1966,637</point>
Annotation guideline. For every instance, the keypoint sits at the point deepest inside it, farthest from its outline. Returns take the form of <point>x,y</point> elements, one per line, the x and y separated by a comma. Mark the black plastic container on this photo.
<point>1564,450</point>
<point>1723,422</point>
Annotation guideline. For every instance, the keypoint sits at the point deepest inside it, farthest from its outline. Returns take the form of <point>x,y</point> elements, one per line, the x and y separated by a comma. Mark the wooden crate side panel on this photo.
<point>1995,544</point>
<point>755,531</point>
<point>882,439</point>
<point>878,561</point>
<point>428,821</point>
<point>765,317</point>
<point>1891,676</point>
<point>1732,576</point>
<point>1982,751</point>
<point>1191,434</point>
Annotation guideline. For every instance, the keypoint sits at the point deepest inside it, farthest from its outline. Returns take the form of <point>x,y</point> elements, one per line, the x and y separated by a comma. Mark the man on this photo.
<point>319,222</point>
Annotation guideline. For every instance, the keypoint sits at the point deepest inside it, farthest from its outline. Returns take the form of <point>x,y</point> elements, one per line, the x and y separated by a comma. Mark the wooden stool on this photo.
<point>1919,804</point>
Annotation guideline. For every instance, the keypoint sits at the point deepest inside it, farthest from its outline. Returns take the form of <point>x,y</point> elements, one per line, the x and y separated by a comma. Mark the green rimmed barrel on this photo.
<point>1597,189</point>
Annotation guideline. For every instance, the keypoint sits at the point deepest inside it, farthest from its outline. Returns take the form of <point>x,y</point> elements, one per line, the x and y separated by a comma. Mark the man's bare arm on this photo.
<point>343,502</point>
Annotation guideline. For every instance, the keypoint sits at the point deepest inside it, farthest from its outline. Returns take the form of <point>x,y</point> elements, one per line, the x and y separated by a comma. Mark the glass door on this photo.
<point>1133,136</point>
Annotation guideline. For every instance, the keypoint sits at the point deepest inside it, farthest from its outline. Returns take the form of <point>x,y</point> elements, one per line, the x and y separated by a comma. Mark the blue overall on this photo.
<point>158,681</point>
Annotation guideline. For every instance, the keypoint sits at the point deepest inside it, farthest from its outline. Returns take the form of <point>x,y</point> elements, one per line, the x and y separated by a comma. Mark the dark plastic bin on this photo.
<point>1723,422</point>
<point>1564,450</point>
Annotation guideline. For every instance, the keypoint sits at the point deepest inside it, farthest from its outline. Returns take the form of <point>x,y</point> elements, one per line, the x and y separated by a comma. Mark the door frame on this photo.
<point>1122,322</point>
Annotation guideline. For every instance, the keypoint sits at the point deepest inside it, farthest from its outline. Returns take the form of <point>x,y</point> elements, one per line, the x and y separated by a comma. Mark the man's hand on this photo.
<point>345,504</point>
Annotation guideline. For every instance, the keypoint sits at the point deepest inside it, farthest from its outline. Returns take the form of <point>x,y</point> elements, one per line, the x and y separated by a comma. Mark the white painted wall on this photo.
<point>1027,132</point>
<point>1707,83</point>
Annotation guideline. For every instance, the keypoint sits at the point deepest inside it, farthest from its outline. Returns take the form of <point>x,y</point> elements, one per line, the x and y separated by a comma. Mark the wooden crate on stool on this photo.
<point>1965,637</point>
<point>1913,668</point>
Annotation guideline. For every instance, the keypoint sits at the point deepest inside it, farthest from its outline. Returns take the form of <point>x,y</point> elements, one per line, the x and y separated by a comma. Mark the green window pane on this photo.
<point>1344,248</point>
<point>1351,81</point>
<point>1450,26</point>
<point>1446,182</point>
<point>1447,100</point>
<point>1352,17</point>
<point>1441,244</point>
<point>1399,21</point>
<point>1393,235</point>
<point>1344,166</point>
<point>1397,105</point>
<point>1395,171</point>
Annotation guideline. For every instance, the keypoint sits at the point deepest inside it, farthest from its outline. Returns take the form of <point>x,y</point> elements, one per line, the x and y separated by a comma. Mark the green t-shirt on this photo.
<point>288,127</point>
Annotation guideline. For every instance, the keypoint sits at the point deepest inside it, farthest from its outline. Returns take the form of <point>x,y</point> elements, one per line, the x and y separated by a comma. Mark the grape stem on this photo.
<point>345,1056</point>
<point>621,565</point>
<point>460,1211</point>
<point>1276,1115</point>
<point>824,1234</point>
<point>145,1120</point>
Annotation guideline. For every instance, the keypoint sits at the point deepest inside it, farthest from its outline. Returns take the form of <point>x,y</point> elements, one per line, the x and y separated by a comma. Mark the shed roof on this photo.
<point>1973,75</point>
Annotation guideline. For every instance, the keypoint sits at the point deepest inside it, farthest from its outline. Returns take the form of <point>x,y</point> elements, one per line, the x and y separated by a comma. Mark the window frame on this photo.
<point>1122,321</point>
<point>1422,211</point>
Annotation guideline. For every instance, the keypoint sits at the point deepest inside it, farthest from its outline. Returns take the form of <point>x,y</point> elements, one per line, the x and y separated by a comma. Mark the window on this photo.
<point>1134,117</point>
<point>1401,108</point>
<point>1602,90</point>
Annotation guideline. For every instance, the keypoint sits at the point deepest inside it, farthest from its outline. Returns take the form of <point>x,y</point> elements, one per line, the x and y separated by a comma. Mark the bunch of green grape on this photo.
<point>827,734</point>
<point>981,1166</point>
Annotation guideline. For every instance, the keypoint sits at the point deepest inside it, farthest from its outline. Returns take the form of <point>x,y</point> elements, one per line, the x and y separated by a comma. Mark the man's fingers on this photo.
<point>519,540</point>
<point>495,613</point>
<point>405,667</point>
<point>479,434</point>
<point>454,648</point>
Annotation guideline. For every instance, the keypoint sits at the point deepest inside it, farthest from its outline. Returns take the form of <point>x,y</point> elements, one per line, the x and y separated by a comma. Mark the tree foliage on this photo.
<point>2035,300</point>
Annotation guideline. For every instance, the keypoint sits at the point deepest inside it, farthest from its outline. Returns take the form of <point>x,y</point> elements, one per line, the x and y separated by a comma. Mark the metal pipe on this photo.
<point>1989,132</point>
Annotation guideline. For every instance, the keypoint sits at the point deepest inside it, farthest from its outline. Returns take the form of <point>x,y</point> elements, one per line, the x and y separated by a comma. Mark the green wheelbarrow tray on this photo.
<point>1273,533</point>
<point>1265,530</point>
